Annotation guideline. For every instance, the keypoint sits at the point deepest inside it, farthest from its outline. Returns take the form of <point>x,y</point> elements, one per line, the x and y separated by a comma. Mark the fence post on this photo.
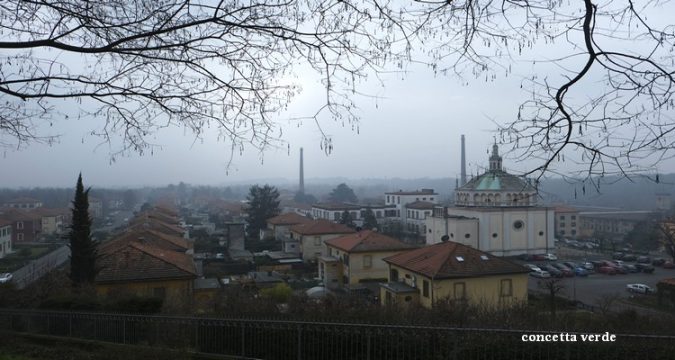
<point>299,342</point>
<point>368,345</point>
<point>124,330</point>
<point>243,343</point>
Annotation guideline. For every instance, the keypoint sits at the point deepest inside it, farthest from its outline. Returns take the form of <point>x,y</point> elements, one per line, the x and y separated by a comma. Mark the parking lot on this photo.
<point>590,289</point>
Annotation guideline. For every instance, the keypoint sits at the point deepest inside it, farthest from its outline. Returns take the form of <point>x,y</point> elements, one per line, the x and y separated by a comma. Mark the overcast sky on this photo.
<point>412,129</point>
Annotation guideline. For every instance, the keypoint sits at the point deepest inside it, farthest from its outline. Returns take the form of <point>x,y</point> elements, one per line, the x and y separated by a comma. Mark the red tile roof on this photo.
<point>13,215</point>
<point>22,200</point>
<point>147,236</point>
<point>139,262</point>
<point>156,224</point>
<point>288,219</point>
<point>366,241</point>
<point>321,227</point>
<point>453,260</point>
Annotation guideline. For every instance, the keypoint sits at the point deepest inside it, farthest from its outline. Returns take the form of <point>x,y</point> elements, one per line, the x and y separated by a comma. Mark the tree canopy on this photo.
<point>342,193</point>
<point>369,220</point>
<point>600,99</point>
<point>263,203</point>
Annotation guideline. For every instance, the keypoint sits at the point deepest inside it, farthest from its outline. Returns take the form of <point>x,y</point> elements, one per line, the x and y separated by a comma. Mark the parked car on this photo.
<point>629,257</point>
<point>644,260</point>
<point>658,261</point>
<point>532,267</point>
<point>617,256</point>
<point>552,270</point>
<point>540,274</point>
<point>609,270</point>
<point>588,266</point>
<point>630,268</point>
<point>639,288</point>
<point>571,264</point>
<point>668,265</point>
<point>564,269</point>
<point>645,268</point>
<point>550,257</point>
<point>538,257</point>
<point>580,271</point>
<point>619,262</point>
<point>5,278</point>
<point>598,263</point>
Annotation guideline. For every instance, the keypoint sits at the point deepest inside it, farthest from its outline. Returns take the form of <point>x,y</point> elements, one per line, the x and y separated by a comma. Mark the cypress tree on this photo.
<point>82,248</point>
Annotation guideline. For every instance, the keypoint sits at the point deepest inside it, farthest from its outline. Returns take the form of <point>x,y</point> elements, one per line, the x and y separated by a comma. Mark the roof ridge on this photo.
<point>150,250</point>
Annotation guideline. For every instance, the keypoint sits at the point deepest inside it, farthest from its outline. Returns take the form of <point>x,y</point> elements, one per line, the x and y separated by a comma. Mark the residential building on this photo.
<point>26,226</point>
<point>357,258</point>
<point>52,221</point>
<point>5,238</point>
<point>308,239</point>
<point>25,203</point>
<point>334,211</point>
<point>416,215</point>
<point>135,268</point>
<point>495,212</point>
<point>454,272</point>
<point>144,220</point>
<point>95,207</point>
<point>567,222</point>
<point>613,224</point>
<point>278,226</point>
<point>151,237</point>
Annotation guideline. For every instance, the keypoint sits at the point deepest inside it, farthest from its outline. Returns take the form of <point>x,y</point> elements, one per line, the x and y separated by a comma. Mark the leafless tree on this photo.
<point>552,287</point>
<point>605,103</point>
<point>668,236</point>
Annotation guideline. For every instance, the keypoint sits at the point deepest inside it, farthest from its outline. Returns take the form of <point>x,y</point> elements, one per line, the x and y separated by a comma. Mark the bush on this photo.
<point>280,293</point>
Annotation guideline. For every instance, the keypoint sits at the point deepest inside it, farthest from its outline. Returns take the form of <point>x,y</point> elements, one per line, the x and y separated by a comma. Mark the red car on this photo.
<point>668,265</point>
<point>609,270</point>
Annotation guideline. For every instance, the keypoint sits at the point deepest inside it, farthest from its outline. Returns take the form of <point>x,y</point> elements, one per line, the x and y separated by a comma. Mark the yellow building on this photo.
<point>310,237</point>
<point>356,258</point>
<point>449,271</point>
<point>135,268</point>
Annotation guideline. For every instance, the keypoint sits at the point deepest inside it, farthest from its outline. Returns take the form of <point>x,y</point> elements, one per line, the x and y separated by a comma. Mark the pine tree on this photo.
<point>82,248</point>
<point>369,220</point>
<point>346,219</point>
<point>263,203</point>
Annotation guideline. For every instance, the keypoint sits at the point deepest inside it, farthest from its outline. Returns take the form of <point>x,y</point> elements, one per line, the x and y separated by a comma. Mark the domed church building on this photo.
<point>495,212</point>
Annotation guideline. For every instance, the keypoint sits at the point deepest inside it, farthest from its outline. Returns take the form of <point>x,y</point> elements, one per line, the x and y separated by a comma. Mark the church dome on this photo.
<point>496,188</point>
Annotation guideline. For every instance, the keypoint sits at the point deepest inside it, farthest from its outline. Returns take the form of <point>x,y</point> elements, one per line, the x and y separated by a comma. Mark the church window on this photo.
<point>518,224</point>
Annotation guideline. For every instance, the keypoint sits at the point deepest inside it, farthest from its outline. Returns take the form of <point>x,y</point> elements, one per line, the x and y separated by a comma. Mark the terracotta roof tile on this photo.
<point>288,219</point>
<point>367,240</point>
<point>138,262</point>
<point>156,224</point>
<point>12,214</point>
<point>148,236</point>
<point>321,227</point>
<point>453,260</point>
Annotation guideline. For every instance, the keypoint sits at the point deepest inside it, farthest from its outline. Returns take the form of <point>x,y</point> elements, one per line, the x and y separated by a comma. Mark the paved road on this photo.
<point>39,267</point>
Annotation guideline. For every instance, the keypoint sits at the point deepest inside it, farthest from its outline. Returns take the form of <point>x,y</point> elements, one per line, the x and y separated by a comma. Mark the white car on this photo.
<point>639,288</point>
<point>550,257</point>
<point>5,278</point>
<point>532,267</point>
<point>540,274</point>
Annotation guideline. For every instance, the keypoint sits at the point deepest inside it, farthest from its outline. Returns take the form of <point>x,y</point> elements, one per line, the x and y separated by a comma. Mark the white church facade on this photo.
<point>495,212</point>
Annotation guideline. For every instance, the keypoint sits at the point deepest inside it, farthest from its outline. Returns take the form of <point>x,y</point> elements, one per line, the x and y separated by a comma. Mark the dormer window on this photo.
<point>459,258</point>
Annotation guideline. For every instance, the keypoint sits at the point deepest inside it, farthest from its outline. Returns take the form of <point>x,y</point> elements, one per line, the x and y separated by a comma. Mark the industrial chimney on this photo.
<point>301,188</point>
<point>463,175</point>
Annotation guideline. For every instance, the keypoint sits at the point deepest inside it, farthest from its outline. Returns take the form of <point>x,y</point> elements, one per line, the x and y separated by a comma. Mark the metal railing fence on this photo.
<point>271,339</point>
